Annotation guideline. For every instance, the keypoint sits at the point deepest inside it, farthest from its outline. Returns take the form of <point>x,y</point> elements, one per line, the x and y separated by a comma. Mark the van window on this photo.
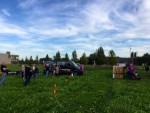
<point>75,64</point>
<point>61,64</point>
<point>69,64</point>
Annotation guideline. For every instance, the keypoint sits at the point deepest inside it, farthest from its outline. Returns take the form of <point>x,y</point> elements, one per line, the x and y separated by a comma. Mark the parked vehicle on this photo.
<point>66,67</point>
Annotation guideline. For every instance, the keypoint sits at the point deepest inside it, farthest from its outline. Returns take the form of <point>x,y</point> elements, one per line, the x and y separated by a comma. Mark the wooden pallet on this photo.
<point>118,71</point>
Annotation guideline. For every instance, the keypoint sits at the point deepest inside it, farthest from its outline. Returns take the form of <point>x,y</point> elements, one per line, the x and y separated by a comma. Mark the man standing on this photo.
<point>28,74</point>
<point>4,73</point>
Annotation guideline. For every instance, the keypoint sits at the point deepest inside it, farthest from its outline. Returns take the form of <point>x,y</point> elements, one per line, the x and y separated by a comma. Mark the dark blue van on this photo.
<point>66,67</point>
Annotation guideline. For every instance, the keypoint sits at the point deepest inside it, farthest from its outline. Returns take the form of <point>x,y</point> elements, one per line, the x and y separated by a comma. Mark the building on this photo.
<point>8,58</point>
<point>4,58</point>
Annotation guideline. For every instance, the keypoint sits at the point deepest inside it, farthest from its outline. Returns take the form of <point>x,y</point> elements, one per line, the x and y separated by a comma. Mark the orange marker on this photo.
<point>54,91</point>
<point>55,85</point>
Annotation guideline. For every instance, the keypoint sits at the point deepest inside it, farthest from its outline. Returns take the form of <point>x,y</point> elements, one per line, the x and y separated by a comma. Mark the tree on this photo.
<point>112,57</point>
<point>74,56</point>
<point>83,59</point>
<point>58,57</point>
<point>47,57</point>
<point>26,60</point>
<point>66,57</point>
<point>146,58</point>
<point>54,57</point>
<point>37,59</point>
<point>91,59</point>
<point>133,55</point>
<point>31,60</point>
<point>100,56</point>
<point>22,61</point>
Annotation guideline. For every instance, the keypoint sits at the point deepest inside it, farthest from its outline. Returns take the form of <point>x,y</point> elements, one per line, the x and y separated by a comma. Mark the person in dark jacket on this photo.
<point>4,73</point>
<point>28,74</point>
<point>22,71</point>
<point>147,69</point>
<point>35,72</point>
<point>47,70</point>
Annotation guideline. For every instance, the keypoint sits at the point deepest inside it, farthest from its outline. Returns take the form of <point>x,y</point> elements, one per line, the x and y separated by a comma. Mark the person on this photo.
<point>22,71</point>
<point>28,74</point>
<point>147,69</point>
<point>35,72</point>
<point>130,71</point>
<point>56,70</point>
<point>81,68</point>
<point>143,66</point>
<point>47,70</point>
<point>4,73</point>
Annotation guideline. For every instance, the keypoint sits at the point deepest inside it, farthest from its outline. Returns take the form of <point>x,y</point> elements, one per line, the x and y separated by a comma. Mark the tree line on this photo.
<point>98,58</point>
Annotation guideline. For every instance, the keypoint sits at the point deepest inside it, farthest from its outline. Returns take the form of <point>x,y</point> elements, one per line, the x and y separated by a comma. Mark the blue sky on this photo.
<point>40,27</point>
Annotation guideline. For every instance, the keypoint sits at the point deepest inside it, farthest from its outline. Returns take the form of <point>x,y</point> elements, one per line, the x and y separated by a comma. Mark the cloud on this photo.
<point>27,3</point>
<point>51,26</point>
<point>6,12</point>
<point>8,28</point>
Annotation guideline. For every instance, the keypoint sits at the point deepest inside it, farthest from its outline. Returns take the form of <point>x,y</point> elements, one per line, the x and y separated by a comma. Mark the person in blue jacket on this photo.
<point>35,72</point>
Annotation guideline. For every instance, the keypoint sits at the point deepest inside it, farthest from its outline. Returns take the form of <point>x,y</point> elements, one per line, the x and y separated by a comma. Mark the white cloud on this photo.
<point>27,3</point>
<point>7,28</point>
<point>6,12</point>
<point>84,27</point>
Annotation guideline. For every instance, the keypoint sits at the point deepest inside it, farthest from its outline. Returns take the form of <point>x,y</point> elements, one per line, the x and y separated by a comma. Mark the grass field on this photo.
<point>94,92</point>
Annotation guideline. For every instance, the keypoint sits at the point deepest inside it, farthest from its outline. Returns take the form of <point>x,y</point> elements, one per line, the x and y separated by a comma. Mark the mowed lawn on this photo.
<point>94,92</point>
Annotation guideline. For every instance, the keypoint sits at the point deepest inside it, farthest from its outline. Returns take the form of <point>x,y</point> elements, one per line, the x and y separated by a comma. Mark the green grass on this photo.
<point>94,92</point>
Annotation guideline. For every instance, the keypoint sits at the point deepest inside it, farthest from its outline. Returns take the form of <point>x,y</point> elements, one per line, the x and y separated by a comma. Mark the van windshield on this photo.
<point>75,64</point>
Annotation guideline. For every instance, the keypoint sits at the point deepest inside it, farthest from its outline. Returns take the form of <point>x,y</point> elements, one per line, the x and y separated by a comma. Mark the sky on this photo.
<point>40,27</point>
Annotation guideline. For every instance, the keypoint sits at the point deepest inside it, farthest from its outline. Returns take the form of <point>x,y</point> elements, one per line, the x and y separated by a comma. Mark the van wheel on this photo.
<point>75,73</point>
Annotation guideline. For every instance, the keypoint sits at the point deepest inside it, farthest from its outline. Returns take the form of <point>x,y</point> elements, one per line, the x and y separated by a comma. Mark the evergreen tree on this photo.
<point>133,55</point>
<point>112,57</point>
<point>66,57</point>
<point>22,61</point>
<point>37,59</point>
<point>54,57</point>
<point>100,56</point>
<point>83,59</point>
<point>146,58</point>
<point>74,56</point>
<point>47,57</point>
<point>26,60</point>
<point>91,59</point>
<point>58,57</point>
<point>31,60</point>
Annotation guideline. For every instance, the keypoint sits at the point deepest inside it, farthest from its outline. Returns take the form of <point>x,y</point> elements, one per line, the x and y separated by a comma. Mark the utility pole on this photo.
<point>131,55</point>
<point>130,51</point>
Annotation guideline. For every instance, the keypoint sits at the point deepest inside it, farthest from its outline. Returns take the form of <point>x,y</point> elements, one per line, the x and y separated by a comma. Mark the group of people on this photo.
<point>54,70</point>
<point>133,75</point>
<point>26,72</point>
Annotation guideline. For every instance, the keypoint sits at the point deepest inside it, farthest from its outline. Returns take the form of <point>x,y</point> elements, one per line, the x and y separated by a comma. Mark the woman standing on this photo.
<point>4,73</point>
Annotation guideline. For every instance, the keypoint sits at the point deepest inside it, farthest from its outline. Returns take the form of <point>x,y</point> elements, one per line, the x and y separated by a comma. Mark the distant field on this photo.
<point>94,92</point>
